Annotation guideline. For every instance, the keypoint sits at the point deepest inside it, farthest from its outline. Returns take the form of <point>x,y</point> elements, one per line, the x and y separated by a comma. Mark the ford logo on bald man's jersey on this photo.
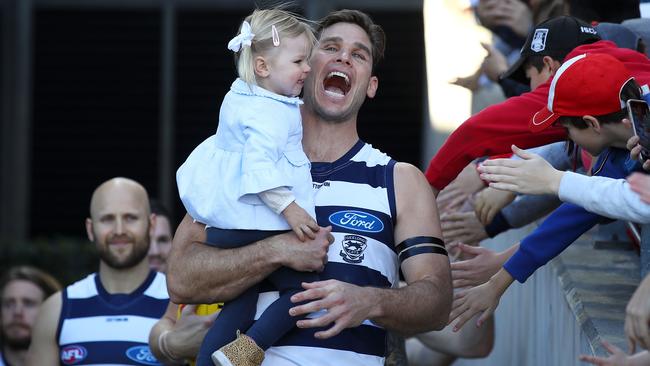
<point>357,220</point>
<point>142,355</point>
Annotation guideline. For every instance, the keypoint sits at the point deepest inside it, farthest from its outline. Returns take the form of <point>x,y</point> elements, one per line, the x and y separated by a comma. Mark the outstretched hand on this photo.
<point>531,175</point>
<point>637,317</point>
<point>482,299</point>
<point>482,265</point>
<point>490,201</point>
<point>616,358</point>
<point>640,183</point>
<point>459,190</point>
<point>462,227</point>
<point>345,305</point>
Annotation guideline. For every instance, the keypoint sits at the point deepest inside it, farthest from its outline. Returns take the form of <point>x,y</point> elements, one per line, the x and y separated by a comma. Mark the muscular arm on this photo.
<point>198,273</point>
<point>425,302</point>
<point>44,349</point>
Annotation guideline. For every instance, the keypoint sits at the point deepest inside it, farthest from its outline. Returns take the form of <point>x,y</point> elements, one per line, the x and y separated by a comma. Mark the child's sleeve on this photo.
<point>277,199</point>
<point>266,131</point>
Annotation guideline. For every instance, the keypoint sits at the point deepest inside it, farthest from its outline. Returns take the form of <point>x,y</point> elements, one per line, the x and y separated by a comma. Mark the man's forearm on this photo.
<point>419,307</point>
<point>198,273</point>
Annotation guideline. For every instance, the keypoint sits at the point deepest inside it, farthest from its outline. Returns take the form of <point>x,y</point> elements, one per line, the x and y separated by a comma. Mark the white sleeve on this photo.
<point>605,196</point>
<point>277,199</point>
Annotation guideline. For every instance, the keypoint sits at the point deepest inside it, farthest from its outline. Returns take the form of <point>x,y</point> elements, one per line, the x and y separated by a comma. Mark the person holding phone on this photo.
<point>640,118</point>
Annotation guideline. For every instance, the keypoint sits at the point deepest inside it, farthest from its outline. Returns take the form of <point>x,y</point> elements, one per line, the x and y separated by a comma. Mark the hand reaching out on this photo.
<point>482,264</point>
<point>462,227</point>
<point>490,201</point>
<point>617,357</point>
<point>637,317</point>
<point>482,299</point>
<point>300,221</point>
<point>531,175</point>
<point>459,190</point>
<point>640,183</point>
<point>494,64</point>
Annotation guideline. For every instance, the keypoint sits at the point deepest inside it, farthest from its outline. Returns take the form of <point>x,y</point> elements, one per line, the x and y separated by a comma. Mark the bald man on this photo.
<point>106,317</point>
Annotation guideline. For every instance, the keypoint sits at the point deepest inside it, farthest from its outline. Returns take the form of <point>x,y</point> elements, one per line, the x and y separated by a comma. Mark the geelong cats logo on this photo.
<point>353,247</point>
<point>539,40</point>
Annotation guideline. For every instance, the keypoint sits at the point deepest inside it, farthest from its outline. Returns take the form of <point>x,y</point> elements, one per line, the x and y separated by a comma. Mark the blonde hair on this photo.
<point>287,24</point>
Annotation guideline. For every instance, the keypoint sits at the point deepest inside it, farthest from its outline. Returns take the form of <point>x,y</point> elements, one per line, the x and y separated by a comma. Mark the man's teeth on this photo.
<point>338,93</point>
<point>338,73</point>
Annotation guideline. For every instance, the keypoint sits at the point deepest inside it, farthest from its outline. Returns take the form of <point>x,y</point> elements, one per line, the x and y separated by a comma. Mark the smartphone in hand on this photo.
<point>640,117</point>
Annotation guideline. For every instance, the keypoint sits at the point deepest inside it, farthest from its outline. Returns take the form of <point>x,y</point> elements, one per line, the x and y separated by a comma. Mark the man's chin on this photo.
<point>17,343</point>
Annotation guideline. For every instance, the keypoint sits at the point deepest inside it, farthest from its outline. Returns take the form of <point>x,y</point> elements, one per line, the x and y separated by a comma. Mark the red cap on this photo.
<point>588,84</point>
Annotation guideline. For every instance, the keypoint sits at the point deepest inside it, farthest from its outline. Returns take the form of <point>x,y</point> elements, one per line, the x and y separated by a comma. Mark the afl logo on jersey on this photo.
<point>142,355</point>
<point>73,354</point>
<point>353,247</point>
<point>357,220</point>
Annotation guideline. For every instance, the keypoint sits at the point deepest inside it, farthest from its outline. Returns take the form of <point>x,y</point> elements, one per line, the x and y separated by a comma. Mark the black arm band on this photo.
<point>420,245</point>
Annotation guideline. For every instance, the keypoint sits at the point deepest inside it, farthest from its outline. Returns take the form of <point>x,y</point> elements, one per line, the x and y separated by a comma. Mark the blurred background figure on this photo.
<point>22,289</point>
<point>161,239</point>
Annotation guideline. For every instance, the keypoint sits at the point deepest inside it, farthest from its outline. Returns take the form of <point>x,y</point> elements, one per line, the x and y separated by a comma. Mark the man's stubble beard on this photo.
<point>16,344</point>
<point>138,254</point>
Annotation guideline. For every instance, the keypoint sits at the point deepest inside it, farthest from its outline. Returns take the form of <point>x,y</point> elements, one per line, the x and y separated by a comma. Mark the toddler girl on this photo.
<point>252,179</point>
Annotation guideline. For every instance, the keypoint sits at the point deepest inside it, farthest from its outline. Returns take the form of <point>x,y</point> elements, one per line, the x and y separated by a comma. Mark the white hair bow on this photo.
<point>244,38</point>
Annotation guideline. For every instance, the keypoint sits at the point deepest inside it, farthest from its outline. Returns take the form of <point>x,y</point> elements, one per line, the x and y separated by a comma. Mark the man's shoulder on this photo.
<point>408,172</point>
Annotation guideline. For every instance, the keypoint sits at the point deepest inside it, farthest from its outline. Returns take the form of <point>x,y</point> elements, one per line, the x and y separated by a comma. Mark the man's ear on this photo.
<point>371,91</point>
<point>261,67</point>
<point>551,63</point>
<point>592,122</point>
<point>89,229</point>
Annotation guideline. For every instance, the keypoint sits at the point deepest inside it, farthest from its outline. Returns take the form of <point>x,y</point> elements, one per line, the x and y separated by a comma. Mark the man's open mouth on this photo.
<point>337,84</point>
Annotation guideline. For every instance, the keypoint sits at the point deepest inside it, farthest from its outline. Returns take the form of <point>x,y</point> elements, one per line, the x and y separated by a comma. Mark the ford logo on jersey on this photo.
<point>73,354</point>
<point>357,220</point>
<point>142,354</point>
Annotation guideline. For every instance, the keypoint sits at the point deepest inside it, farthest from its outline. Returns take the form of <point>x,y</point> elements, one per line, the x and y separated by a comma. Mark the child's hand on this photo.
<point>482,299</point>
<point>300,221</point>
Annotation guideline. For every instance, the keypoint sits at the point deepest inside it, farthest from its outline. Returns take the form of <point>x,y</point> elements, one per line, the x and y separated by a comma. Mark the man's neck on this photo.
<point>326,141</point>
<point>14,357</point>
<point>123,281</point>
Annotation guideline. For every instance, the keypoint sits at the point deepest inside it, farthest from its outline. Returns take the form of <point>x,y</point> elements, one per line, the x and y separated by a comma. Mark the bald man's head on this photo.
<point>120,222</point>
<point>118,187</point>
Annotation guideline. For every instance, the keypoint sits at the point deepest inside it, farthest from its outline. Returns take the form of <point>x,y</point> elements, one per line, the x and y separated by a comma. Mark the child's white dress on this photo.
<point>257,147</point>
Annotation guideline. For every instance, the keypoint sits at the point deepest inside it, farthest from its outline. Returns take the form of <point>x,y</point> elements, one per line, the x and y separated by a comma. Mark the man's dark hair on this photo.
<point>363,20</point>
<point>42,280</point>
<point>158,209</point>
<point>630,90</point>
<point>536,61</point>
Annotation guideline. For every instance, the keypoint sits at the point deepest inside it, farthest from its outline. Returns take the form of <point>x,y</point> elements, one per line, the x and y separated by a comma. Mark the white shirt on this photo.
<point>605,196</point>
